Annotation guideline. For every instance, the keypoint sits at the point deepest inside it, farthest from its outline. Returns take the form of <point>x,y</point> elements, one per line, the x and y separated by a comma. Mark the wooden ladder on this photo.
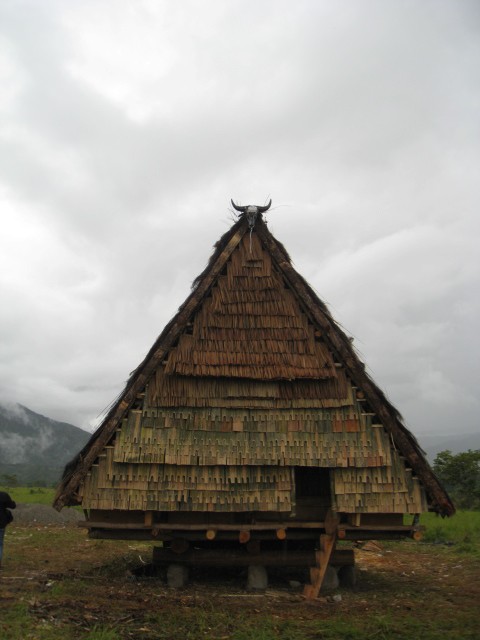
<point>322,556</point>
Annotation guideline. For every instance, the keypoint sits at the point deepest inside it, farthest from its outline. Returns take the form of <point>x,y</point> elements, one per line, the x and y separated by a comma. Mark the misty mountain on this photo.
<point>433,443</point>
<point>35,448</point>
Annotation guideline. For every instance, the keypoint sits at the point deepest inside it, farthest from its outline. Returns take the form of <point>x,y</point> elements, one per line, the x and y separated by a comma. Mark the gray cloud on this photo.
<point>125,130</point>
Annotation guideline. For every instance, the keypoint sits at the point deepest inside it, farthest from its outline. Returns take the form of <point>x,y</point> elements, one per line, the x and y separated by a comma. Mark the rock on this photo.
<point>330,581</point>
<point>177,576</point>
<point>295,584</point>
<point>372,545</point>
<point>257,578</point>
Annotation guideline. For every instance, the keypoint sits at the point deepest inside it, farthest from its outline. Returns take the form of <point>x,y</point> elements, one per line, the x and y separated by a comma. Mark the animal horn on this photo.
<point>241,209</point>
<point>265,208</point>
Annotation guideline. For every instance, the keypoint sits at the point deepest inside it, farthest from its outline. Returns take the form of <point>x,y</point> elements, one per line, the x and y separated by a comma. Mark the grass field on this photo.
<point>462,530</point>
<point>30,495</point>
<point>56,583</point>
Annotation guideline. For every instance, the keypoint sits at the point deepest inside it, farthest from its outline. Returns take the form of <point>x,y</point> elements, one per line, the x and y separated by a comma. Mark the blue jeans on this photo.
<point>2,533</point>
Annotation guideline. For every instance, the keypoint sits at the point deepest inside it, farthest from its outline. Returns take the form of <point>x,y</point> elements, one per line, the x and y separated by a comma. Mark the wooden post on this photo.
<point>148,518</point>
<point>244,537</point>
<point>322,556</point>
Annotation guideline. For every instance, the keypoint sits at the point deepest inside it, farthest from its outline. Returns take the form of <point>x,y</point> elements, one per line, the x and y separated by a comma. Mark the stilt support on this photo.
<point>327,546</point>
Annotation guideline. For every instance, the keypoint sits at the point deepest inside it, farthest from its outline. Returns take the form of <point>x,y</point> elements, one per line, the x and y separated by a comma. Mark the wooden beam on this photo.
<point>164,526</point>
<point>244,537</point>
<point>331,522</point>
<point>322,556</point>
<point>179,545</point>
<point>253,547</point>
<point>317,573</point>
<point>234,532</point>
<point>238,558</point>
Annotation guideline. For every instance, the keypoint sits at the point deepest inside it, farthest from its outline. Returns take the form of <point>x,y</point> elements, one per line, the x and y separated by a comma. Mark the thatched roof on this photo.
<point>335,349</point>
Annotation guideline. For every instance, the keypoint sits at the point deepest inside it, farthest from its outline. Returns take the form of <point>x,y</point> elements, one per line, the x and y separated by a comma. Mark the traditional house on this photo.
<point>252,425</point>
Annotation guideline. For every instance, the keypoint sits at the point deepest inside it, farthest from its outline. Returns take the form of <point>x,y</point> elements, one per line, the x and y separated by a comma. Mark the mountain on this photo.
<point>433,443</point>
<point>35,448</point>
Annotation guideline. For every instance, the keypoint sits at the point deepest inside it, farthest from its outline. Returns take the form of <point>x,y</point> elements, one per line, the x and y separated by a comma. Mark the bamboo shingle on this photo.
<point>259,303</point>
<point>251,380</point>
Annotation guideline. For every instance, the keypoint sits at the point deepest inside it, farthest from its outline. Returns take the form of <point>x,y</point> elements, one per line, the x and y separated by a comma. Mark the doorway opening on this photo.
<point>313,496</point>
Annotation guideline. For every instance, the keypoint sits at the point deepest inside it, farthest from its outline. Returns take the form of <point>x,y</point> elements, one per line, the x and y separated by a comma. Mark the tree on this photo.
<point>8,480</point>
<point>460,473</point>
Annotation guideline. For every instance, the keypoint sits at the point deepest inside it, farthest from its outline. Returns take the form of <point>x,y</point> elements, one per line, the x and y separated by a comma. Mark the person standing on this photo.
<point>6,503</point>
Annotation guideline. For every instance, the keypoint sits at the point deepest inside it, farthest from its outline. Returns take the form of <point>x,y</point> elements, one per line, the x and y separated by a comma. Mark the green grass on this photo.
<point>30,495</point>
<point>461,530</point>
<point>76,588</point>
<point>102,633</point>
<point>18,623</point>
<point>193,623</point>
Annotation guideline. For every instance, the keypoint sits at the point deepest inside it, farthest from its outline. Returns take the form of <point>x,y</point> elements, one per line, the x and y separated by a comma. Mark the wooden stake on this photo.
<point>244,537</point>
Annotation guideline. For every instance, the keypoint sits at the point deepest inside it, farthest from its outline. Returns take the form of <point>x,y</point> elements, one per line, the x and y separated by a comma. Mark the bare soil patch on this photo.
<point>66,585</point>
<point>26,514</point>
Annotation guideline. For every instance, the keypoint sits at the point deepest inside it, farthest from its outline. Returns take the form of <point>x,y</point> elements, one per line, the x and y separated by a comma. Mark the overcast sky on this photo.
<point>127,126</point>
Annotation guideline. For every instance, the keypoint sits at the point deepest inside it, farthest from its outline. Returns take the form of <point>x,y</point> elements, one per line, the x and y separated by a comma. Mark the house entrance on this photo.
<point>312,493</point>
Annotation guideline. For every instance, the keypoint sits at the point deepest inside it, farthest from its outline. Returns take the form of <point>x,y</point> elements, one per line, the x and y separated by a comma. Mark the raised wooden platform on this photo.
<point>241,558</point>
<point>265,530</point>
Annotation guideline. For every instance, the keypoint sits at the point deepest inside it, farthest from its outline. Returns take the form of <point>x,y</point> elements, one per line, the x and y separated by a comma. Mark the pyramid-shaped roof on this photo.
<point>252,328</point>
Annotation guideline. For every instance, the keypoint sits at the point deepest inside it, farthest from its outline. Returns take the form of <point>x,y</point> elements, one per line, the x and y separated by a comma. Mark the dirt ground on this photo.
<point>62,579</point>
<point>42,514</point>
